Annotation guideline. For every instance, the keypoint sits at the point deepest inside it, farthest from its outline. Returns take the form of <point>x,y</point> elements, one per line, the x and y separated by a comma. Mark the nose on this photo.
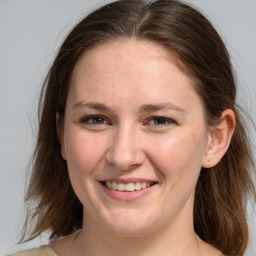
<point>125,151</point>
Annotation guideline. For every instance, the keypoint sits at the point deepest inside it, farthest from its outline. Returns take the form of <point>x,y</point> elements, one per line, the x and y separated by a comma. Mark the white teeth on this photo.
<point>129,186</point>
<point>114,185</point>
<point>109,184</point>
<point>120,186</point>
<point>137,185</point>
<point>143,184</point>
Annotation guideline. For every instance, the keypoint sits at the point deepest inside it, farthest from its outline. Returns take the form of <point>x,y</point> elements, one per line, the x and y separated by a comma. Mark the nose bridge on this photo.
<point>125,151</point>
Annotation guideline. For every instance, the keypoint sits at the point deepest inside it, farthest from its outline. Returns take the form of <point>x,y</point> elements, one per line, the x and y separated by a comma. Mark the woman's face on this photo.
<point>134,138</point>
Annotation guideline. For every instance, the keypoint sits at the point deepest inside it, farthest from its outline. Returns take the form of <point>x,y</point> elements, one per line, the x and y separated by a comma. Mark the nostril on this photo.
<point>124,153</point>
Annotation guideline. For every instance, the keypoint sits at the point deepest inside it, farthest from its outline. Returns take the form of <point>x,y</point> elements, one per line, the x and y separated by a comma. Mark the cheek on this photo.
<point>178,156</point>
<point>83,151</point>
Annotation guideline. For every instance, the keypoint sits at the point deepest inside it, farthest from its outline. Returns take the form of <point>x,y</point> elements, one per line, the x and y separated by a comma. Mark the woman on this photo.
<point>141,148</point>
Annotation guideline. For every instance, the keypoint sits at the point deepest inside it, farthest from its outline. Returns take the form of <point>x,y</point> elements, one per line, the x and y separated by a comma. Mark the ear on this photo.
<point>60,135</point>
<point>219,139</point>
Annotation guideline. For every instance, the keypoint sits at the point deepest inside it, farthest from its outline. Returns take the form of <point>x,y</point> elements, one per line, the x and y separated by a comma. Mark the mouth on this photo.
<point>128,187</point>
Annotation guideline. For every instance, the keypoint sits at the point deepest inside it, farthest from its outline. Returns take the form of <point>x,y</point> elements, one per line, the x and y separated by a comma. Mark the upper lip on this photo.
<point>128,180</point>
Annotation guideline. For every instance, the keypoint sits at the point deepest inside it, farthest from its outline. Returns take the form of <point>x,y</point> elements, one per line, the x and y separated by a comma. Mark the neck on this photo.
<point>175,239</point>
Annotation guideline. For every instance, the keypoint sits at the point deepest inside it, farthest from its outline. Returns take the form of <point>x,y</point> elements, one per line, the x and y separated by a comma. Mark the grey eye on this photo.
<point>160,121</point>
<point>94,120</point>
<point>97,120</point>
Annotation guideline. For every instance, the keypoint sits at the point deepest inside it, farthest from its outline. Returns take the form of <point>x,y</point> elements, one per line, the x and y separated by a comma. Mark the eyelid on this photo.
<point>84,120</point>
<point>87,118</point>
<point>169,120</point>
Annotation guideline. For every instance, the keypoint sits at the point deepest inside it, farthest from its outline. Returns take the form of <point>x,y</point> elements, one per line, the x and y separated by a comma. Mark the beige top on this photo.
<point>44,250</point>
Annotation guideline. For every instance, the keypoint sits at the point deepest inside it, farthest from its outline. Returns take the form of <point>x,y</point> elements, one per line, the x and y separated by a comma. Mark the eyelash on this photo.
<point>91,119</point>
<point>166,120</point>
<point>86,120</point>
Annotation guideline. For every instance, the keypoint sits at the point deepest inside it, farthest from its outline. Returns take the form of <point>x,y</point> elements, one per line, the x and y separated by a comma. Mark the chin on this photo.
<point>128,225</point>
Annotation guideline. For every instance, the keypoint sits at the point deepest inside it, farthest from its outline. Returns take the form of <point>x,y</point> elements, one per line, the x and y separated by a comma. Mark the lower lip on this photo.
<point>125,195</point>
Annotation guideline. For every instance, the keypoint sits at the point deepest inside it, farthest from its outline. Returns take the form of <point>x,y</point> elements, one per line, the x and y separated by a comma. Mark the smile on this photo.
<point>128,187</point>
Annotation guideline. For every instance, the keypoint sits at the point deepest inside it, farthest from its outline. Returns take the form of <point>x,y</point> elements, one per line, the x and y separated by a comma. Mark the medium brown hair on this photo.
<point>222,191</point>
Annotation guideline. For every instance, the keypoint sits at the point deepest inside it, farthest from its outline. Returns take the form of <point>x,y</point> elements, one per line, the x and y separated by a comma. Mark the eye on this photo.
<point>160,121</point>
<point>94,120</point>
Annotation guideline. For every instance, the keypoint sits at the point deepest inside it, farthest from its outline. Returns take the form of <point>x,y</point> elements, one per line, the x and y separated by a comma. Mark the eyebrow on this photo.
<point>162,106</point>
<point>93,105</point>
<point>143,108</point>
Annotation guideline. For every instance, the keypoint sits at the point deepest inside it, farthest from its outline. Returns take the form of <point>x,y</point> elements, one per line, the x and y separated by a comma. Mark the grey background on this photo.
<point>30,33</point>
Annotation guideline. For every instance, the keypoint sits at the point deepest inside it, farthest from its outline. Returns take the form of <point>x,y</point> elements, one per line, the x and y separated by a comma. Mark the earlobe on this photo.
<point>219,139</point>
<point>60,136</point>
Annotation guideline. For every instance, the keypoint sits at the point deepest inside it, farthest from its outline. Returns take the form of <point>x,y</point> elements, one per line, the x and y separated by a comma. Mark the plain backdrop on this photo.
<point>30,34</point>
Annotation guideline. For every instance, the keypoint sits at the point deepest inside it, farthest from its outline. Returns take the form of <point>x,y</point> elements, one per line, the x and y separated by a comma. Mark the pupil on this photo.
<point>159,121</point>
<point>98,120</point>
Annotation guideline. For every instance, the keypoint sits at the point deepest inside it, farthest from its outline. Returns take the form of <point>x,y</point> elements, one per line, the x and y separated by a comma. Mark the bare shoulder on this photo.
<point>43,250</point>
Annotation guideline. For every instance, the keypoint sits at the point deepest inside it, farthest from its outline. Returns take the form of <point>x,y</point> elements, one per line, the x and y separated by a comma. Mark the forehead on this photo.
<point>126,56</point>
<point>127,51</point>
<point>129,68</point>
<point>130,46</point>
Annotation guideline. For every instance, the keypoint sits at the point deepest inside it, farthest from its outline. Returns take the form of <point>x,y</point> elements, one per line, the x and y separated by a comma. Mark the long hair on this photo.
<point>222,192</point>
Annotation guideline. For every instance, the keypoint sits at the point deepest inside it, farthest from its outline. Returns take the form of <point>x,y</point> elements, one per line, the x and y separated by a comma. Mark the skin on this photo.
<point>125,140</point>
